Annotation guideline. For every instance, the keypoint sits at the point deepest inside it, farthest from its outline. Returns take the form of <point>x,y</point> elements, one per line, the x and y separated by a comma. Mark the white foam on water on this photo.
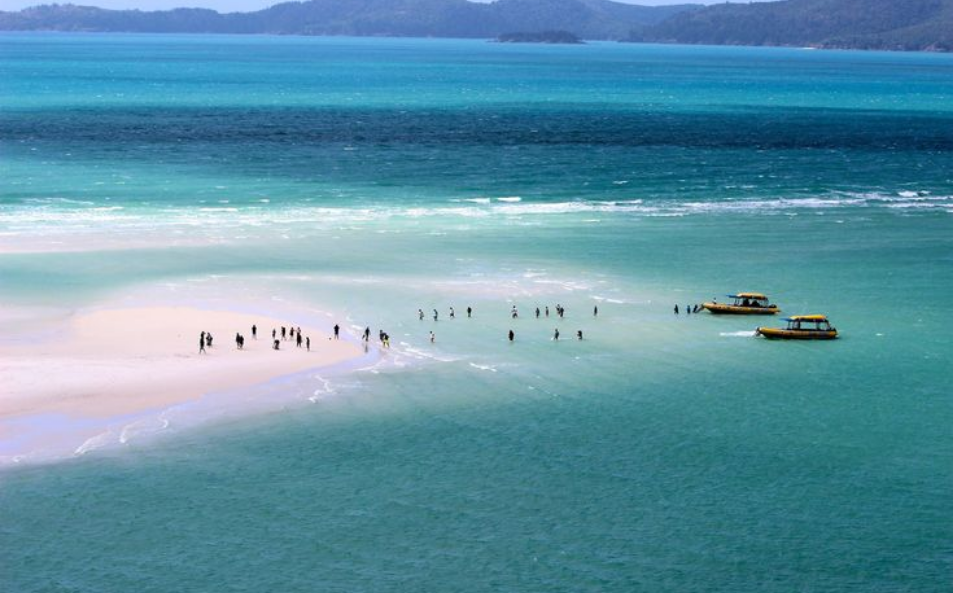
<point>143,426</point>
<point>408,350</point>
<point>483,367</point>
<point>739,334</point>
<point>602,299</point>
<point>41,217</point>
<point>566,285</point>
<point>103,439</point>
<point>325,389</point>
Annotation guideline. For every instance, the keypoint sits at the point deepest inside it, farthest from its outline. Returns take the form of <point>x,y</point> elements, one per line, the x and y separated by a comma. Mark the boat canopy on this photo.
<point>807,318</point>
<point>748,295</point>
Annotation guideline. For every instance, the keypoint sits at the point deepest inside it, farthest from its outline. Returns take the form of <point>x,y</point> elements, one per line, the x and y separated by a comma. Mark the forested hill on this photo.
<point>589,19</point>
<point>860,24</point>
<point>855,24</point>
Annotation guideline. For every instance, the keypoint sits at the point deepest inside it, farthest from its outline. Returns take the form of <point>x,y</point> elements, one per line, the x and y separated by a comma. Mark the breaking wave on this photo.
<point>38,217</point>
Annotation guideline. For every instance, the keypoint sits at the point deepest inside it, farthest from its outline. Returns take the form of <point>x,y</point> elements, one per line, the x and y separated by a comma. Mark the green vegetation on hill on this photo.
<point>860,24</point>
<point>591,19</point>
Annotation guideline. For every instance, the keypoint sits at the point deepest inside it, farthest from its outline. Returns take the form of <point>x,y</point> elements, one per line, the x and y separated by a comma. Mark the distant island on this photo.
<point>589,19</point>
<point>917,25</point>
<point>559,37</point>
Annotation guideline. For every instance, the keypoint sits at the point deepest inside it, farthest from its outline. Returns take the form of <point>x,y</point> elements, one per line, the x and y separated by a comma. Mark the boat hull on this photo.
<point>776,333</point>
<point>723,309</point>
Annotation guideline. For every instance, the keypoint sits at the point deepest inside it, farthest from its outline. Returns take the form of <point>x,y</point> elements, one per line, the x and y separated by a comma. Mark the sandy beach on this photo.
<point>115,362</point>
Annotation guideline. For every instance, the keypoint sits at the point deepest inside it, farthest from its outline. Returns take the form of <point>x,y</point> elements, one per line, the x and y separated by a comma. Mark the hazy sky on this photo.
<point>230,5</point>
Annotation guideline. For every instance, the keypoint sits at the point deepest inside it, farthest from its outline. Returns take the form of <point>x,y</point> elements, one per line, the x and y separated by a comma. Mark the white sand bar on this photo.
<point>121,361</point>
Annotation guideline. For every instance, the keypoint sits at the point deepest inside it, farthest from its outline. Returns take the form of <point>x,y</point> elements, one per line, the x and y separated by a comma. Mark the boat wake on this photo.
<point>739,334</point>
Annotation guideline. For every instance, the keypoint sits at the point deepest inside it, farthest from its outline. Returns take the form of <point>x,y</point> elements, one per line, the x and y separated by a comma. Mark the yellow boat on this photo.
<point>801,327</point>
<point>744,303</point>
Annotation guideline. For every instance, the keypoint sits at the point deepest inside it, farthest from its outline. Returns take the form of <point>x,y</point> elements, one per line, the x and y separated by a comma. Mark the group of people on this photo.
<point>560,311</point>
<point>300,340</point>
<point>382,336</point>
<point>514,314</point>
<point>295,335</point>
<point>436,314</point>
<point>205,339</point>
<point>689,309</point>
<point>512,335</point>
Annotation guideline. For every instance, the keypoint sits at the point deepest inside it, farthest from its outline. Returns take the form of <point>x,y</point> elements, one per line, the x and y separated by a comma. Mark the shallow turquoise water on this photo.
<point>662,453</point>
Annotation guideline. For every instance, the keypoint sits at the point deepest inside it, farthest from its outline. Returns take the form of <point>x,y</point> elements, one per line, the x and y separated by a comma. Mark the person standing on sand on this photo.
<point>254,332</point>
<point>432,337</point>
<point>238,340</point>
<point>273,333</point>
<point>298,343</point>
<point>337,331</point>
<point>284,332</point>
<point>469,312</point>
<point>307,342</point>
<point>512,335</point>
<point>208,339</point>
<point>547,310</point>
<point>367,333</point>
<point>556,334</point>
<point>277,344</point>
<point>202,344</point>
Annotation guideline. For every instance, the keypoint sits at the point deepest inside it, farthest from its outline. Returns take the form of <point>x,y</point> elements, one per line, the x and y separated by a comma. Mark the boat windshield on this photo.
<point>808,325</point>
<point>750,302</point>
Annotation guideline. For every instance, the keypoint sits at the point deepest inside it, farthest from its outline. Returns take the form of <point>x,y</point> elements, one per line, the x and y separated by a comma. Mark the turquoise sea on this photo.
<point>373,177</point>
